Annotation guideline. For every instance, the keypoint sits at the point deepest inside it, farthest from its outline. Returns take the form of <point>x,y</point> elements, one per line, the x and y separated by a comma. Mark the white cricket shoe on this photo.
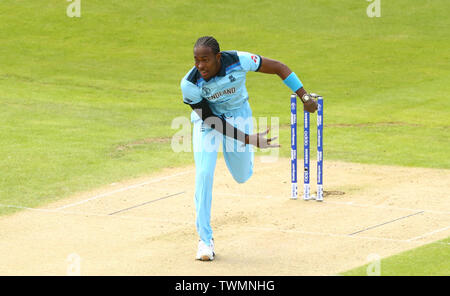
<point>204,252</point>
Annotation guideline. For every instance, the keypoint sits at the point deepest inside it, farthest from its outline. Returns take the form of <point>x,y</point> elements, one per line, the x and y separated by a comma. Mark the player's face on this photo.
<point>206,62</point>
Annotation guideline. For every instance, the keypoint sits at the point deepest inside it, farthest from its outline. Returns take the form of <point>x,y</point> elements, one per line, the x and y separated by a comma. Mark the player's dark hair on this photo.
<point>208,41</point>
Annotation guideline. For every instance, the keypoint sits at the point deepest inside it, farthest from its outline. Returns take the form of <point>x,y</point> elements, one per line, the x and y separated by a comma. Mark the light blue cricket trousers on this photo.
<point>238,158</point>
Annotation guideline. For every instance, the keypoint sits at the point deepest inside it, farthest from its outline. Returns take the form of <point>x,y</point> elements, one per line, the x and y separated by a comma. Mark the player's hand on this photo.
<point>310,106</point>
<point>259,140</point>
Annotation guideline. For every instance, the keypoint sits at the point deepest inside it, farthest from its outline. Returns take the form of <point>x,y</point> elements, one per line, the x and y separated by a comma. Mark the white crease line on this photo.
<point>349,203</point>
<point>429,233</point>
<point>122,189</point>
<point>253,228</point>
<point>386,207</point>
<point>332,234</point>
<point>94,215</point>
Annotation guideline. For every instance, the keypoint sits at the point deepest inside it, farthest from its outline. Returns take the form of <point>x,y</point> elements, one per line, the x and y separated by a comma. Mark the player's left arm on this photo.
<point>270,66</point>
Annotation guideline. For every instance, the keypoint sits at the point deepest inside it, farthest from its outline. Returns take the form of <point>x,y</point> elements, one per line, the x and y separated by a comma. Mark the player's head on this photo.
<point>207,56</point>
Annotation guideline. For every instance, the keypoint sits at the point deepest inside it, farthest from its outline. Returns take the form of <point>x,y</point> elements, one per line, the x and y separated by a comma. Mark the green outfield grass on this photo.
<point>88,101</point>
<point>429,260</point>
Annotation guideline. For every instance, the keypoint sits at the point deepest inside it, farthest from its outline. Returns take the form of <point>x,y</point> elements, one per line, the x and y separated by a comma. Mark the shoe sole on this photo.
<point>206,258</point>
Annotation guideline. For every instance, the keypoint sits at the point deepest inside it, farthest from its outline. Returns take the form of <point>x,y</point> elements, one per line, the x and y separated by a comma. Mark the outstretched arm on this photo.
<point>222,126</point>
<point>270,66</point>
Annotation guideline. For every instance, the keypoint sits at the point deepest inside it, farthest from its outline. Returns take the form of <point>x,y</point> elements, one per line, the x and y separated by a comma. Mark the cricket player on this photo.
<point>215,90</point>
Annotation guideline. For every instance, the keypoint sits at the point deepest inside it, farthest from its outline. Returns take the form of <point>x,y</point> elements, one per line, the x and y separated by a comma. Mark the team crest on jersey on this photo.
<point>232,79</point>
<point>206,92</point>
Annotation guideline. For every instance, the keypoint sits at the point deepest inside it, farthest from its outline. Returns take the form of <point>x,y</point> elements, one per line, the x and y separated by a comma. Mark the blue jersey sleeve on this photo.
<point>191,93</point>
<point>249,61</point>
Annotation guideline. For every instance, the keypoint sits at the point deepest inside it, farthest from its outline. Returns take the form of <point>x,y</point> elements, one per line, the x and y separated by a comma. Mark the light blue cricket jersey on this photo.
<point>226,91</point>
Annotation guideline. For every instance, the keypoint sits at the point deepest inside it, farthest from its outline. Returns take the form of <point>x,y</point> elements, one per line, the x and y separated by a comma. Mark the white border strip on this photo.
<point>350,203</point>
<point>331,234</point>
<point>87,214</point>
<point>345,203</point>
<point>429,233</point>
<point>412,240</point>
<point>122,189</point>
<point>170,221</point>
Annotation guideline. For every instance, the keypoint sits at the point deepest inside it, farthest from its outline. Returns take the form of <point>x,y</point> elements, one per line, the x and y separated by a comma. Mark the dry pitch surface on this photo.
<point>146,226</point>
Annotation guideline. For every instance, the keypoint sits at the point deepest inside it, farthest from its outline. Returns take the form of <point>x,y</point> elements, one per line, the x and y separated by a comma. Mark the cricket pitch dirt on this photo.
<point>146,226</point>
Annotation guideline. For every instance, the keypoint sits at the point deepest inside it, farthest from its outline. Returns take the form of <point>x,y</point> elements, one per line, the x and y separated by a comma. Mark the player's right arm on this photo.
<point>257,63</point>
<point>270,66</point>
